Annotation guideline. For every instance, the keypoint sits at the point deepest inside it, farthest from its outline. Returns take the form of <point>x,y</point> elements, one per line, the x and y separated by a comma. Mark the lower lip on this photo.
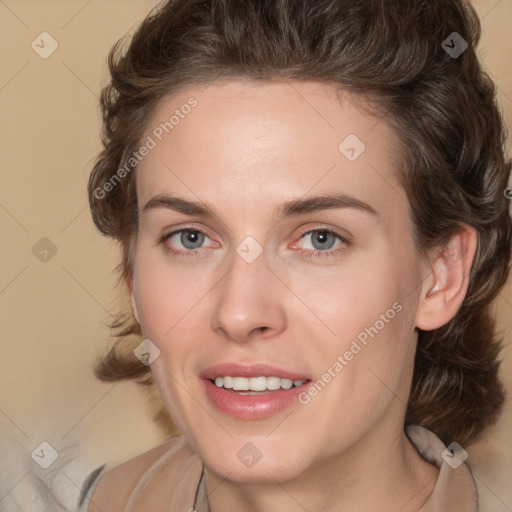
<point>252,407</point>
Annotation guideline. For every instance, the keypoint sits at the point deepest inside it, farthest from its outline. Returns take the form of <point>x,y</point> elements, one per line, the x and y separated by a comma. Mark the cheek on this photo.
<point>165,296</point>
<point>370,312</point>
<point>356,298</point>
<point>155,303</point>
<point>166,301</point>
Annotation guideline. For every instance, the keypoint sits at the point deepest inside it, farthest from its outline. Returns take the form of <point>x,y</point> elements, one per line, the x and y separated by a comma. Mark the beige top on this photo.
<point>170,478</point>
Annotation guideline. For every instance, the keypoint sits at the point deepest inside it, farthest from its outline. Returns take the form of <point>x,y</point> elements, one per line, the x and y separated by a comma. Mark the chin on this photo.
<point>252,460</point>
<point>260,474</point>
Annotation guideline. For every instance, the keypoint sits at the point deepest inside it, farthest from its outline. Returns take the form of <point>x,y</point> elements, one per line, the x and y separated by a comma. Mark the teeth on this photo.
<point>256,383</point>
<point>273,383</point>
<point>240,384</point>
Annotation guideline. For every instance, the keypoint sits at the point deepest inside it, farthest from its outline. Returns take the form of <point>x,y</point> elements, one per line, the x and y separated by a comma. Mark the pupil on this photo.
<point>322,237</point>
<point>191,237</point>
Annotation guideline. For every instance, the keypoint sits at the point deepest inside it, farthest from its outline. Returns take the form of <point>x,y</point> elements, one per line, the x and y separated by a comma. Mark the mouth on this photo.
<point>252,391</point>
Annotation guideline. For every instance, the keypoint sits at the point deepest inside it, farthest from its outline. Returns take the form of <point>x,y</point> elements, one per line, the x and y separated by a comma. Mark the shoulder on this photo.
<point>455,489</point>
<point>116,486</point>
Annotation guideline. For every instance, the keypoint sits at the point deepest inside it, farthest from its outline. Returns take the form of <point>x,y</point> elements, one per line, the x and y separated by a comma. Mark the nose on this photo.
<point>249,302</point>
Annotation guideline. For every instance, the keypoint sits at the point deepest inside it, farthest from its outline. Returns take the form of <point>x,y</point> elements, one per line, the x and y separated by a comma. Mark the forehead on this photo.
<point>250,142</point>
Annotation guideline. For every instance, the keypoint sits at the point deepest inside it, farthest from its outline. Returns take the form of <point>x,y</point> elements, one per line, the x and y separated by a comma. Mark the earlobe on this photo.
<point>132,300</point>
<point>446,285</point>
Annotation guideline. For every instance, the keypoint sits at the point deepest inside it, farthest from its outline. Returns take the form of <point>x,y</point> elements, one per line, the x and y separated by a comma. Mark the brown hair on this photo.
<point>400,56</point>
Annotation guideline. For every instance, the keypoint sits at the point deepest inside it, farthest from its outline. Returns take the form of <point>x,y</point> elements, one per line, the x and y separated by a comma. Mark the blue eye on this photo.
<point>324,238</point>
<point>321,240</point>
<point>190,239</point>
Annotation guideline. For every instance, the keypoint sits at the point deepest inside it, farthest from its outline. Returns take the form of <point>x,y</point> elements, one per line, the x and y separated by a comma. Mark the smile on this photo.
<point>252,391</point>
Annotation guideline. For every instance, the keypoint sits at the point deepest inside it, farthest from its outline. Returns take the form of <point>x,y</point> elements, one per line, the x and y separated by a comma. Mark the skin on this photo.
<point>245,149</point>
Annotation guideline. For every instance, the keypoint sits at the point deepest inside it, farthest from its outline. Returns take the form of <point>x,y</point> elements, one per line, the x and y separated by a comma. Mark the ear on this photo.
<point>132,300</point>
<point>447,282</point>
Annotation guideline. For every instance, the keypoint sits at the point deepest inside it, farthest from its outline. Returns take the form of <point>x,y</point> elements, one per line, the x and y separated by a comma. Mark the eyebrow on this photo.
<point>291,208</point>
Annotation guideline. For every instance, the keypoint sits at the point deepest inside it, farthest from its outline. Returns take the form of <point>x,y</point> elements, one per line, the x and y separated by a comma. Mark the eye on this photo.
<point>320,240</point>
<point>187,240</point>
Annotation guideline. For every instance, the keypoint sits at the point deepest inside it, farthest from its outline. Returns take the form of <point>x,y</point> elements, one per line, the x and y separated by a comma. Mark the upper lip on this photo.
<point>250,370</point>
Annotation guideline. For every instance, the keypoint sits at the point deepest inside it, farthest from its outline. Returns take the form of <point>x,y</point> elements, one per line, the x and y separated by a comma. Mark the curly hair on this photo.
<point>441,104</point>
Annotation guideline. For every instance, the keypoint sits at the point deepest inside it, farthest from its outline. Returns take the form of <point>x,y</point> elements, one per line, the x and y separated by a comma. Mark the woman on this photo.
<point>310,201</point>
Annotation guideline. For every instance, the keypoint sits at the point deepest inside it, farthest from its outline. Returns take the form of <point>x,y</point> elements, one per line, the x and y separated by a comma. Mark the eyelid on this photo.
<point>179,229</point>
<point>183,227</point>
<point>344,235</point>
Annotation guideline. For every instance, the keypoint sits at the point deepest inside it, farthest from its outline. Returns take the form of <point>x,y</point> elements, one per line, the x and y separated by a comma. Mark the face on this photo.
<point>261,284</point>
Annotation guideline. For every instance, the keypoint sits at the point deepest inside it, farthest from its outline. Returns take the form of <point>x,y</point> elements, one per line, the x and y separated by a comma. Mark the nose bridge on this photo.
<point>249,295</point>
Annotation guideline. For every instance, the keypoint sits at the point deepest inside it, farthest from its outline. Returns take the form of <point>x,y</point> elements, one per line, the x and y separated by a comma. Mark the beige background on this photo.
<point>55,313</point>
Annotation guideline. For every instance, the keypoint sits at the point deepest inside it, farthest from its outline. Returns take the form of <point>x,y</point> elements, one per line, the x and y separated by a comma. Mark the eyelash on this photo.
<point>308,253</point>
